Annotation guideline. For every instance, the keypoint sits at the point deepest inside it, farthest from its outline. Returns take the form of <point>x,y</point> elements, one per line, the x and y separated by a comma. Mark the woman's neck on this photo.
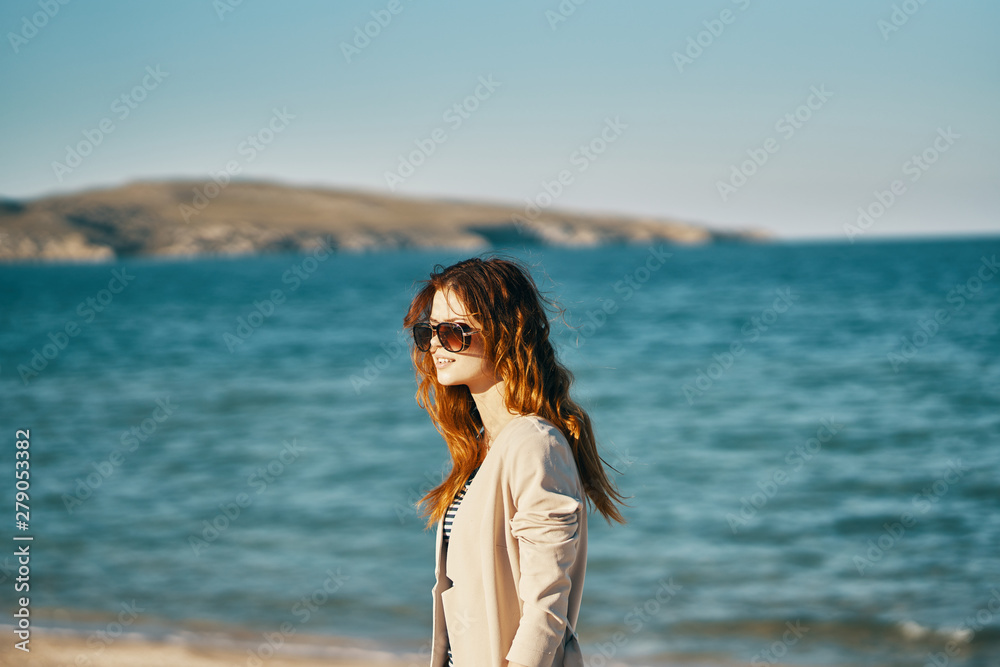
<point>493,411</point>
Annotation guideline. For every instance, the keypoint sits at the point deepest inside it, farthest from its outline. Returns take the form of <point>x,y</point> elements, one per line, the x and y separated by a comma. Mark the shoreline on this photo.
<point>57,646</point>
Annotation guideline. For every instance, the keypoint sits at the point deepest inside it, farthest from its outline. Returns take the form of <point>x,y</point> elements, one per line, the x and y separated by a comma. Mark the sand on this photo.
<point>60,648</point>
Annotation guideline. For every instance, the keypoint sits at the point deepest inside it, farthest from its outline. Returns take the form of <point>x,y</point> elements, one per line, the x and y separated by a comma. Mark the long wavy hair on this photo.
<point>501,294</point>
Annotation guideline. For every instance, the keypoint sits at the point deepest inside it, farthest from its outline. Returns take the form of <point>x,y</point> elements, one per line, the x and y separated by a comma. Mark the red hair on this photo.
<point>502,296</point>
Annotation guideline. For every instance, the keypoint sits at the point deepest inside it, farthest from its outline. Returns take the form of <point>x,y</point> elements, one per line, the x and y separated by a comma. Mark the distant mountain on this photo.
<point>190,218</point>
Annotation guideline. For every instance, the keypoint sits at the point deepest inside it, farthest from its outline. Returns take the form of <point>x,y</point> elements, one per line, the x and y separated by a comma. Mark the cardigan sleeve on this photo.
<point>547,495</point>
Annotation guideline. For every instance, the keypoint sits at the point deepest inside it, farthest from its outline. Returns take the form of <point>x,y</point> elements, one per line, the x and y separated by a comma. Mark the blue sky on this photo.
<point>889,92</point>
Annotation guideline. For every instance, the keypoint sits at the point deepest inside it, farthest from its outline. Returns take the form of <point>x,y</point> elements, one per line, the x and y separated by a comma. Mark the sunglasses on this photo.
<point>453,336</point>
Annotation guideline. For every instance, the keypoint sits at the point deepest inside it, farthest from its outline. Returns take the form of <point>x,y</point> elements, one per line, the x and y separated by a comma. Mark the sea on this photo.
<point>230,450</point>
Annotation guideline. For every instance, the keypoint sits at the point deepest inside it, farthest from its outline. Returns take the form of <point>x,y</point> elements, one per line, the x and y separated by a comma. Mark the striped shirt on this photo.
<point>449,518</point>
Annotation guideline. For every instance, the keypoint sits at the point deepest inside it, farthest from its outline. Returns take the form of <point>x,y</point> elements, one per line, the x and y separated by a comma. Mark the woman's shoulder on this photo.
<point>531,435</point>
<point>534,453</point>
<point>531,424</point>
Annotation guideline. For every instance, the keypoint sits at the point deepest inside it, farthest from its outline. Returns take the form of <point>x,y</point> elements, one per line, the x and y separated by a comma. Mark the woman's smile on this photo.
<point>441,362</point>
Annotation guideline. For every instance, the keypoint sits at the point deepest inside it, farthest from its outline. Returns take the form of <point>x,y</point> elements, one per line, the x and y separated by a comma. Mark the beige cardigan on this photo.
<point>517,555</point>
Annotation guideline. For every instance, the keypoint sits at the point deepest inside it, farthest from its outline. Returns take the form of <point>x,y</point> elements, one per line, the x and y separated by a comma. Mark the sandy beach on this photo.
<point>64,648</point>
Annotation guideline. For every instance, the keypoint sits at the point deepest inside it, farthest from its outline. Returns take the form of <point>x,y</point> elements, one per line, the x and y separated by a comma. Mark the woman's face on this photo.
<point>456,368</point>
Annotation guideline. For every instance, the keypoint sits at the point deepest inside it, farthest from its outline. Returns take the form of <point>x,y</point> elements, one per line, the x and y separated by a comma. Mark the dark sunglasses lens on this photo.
<point>450,335</point>
<point>422,335</point>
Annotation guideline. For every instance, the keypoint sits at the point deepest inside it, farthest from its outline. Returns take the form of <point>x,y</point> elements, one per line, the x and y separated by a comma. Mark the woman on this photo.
<point>511,521</point>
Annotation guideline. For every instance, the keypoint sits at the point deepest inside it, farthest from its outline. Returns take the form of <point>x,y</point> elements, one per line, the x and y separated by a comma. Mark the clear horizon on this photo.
<point>808,122</point>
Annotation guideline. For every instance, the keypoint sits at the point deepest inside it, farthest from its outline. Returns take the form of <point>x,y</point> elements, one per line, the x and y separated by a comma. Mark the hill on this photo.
<point>190,218</point>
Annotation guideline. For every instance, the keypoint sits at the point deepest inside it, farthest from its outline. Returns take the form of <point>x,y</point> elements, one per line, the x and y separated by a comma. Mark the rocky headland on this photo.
<point>194,218</point>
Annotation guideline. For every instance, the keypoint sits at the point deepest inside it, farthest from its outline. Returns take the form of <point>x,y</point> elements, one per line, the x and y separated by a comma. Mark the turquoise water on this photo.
<point>810,434</point>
